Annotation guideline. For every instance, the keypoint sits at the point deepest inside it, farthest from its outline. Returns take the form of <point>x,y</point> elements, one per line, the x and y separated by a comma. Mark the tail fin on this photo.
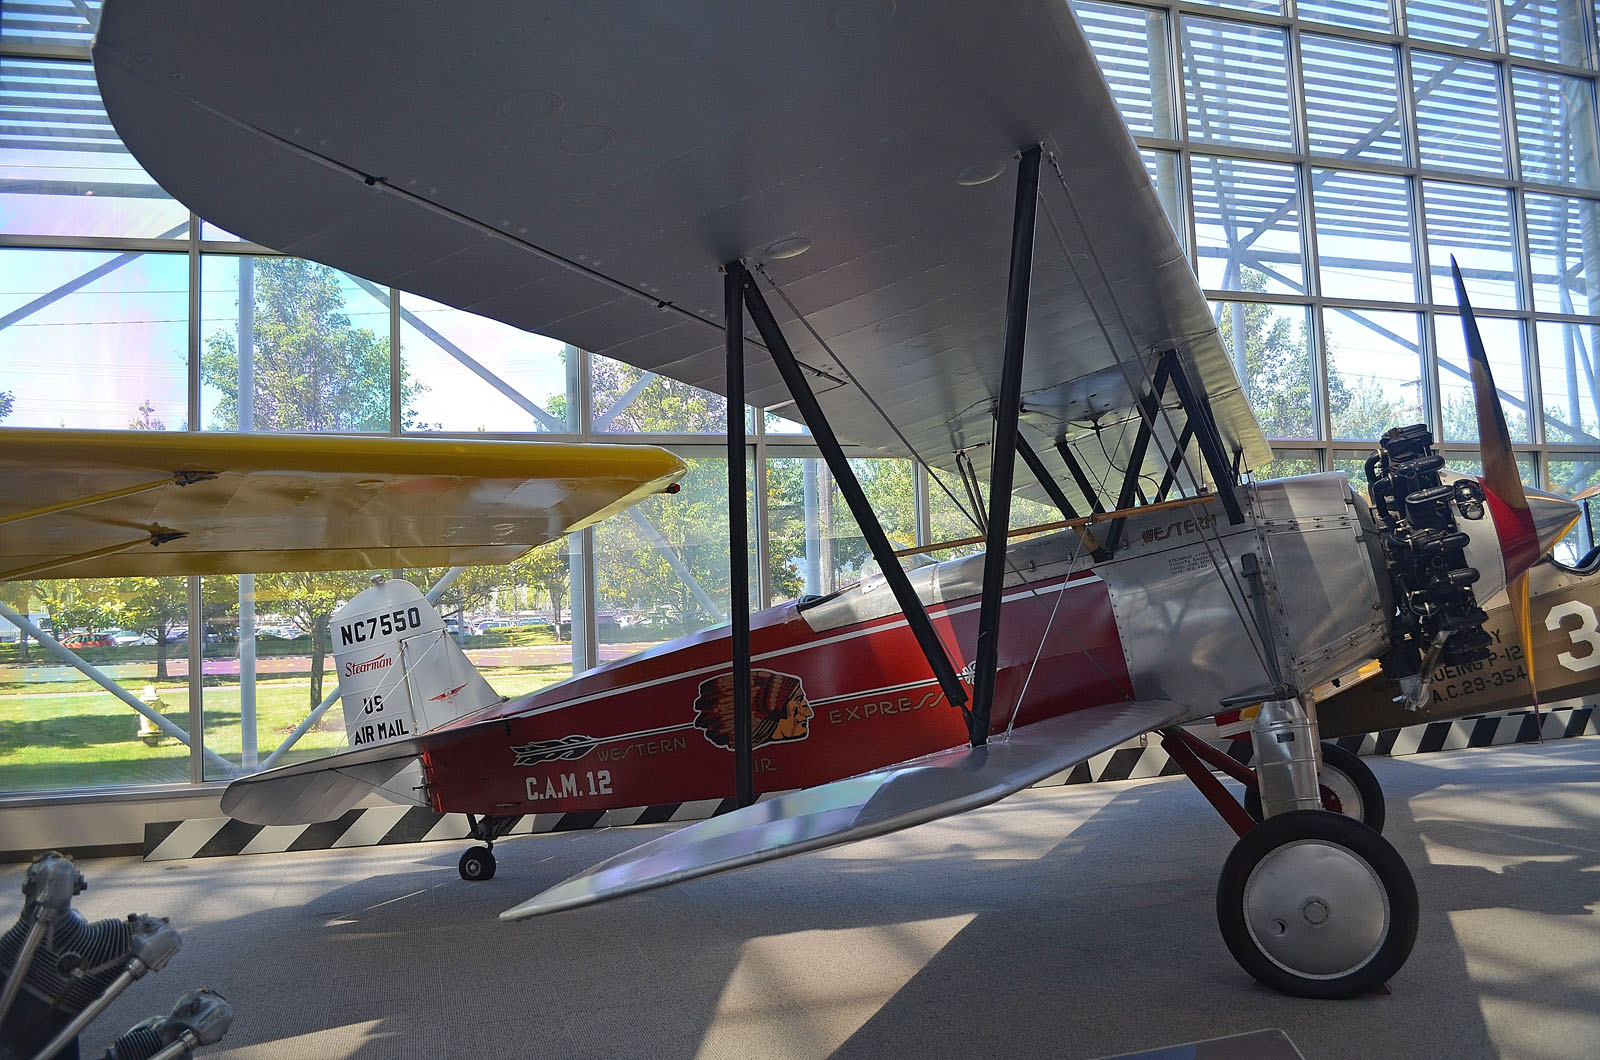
<point>400,674</point>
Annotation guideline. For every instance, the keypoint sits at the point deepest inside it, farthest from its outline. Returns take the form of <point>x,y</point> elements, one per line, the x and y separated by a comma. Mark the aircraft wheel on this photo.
<point>1348,786</point>
<point>477,864</point>
<point>1316,904</point>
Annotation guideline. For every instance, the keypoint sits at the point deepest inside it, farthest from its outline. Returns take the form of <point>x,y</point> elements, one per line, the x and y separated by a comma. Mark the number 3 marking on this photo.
<point>1587,632</point>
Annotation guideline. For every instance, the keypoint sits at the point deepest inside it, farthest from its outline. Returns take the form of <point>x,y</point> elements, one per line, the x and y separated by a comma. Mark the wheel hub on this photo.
<point>1316,909</point>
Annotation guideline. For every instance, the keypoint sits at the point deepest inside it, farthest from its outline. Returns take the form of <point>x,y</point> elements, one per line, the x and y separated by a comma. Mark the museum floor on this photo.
<point>1063,922</point>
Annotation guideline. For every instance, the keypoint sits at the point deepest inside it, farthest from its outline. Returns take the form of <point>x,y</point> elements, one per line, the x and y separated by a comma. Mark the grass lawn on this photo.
<point>59,734</point>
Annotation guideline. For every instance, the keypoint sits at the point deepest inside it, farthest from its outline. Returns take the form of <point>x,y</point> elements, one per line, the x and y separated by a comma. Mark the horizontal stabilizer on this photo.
<point>319,790</point>
<point>937,785</point>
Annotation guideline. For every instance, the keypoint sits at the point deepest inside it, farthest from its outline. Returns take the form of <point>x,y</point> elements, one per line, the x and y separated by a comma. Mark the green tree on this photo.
<point>75,603</point>
<point>19,596</point>
<point>889,486</point>
<point>159,605</point>
<point>312,369</point>
<point>663,406</point>
<point>154,606</point>
<point>7,398</point>
<point>634,572</point>
<point>1277,359</point>
<point>545,571</point>
<point>786,528</point>
<point>309,599</point>
<point>1279,378</point>
<point>146,420</point>
<point>1362,412</point>
<point>474,589</point>
<point>1460,411</point>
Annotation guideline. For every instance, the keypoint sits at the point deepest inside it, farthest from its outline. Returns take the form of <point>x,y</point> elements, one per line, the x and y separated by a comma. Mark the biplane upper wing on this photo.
<point>583,172</point>
<point>925,789</point>
<point>94,504</point>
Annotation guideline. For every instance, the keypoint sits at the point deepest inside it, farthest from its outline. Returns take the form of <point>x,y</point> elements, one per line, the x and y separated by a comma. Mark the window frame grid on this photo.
<point>1414,172</point>
<point>1173,12</point>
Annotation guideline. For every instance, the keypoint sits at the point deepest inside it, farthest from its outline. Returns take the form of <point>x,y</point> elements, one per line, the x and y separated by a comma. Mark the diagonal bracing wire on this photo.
<point>1017,572</point>
<point>1226,575</point>
<point>887,419</point>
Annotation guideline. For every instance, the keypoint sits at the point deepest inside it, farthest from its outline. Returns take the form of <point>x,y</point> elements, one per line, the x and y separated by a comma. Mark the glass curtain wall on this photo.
<point>1330,157</point>
<point>1321,160</point>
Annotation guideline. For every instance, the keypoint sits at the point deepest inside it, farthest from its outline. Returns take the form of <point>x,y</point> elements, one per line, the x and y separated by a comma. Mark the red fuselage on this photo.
<point>828,703</point>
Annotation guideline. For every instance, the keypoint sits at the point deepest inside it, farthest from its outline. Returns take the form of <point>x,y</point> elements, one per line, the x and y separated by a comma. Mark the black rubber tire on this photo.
<point>1355,773</point>
<point>1279,850</point>
<point>477,864</point>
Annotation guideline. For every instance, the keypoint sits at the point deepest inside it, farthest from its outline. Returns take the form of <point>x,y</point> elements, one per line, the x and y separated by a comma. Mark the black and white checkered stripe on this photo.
<point>1137,759</point>
<point>387,825</point>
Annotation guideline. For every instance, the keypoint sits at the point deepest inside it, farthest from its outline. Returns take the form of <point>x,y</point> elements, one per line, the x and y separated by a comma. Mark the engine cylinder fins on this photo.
<point>1426,552</point>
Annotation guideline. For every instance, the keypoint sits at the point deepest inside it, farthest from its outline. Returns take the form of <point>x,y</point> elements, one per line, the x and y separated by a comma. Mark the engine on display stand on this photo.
<point>62,971</point>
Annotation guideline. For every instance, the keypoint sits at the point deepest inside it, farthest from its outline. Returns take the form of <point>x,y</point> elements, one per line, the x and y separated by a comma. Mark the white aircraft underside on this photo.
<point>587,182</point>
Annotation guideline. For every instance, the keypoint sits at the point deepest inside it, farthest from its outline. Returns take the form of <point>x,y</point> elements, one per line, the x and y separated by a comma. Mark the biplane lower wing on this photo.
<point>319,790</point>
<point>873,804</point>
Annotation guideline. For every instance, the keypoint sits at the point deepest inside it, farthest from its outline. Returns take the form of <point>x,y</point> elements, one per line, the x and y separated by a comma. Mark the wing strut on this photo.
<point>738,538</point>
<point>1059,496</point>
<point>1175,461</point>
<point>806,402</point>
<point>1149,410</point>
<point>1223,473</point>
<point>1003,464</point>
<point>1197,425</point>
<point>1090,494</point>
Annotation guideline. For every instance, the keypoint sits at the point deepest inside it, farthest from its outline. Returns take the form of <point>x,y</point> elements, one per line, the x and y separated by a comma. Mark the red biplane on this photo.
<point>638,182</point>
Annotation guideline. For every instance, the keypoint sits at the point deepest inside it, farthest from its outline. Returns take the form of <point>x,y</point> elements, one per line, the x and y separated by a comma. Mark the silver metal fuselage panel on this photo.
<point>1183,610</point>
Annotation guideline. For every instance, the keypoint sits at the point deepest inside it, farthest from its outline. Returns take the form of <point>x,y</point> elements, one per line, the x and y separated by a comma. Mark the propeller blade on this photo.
<point>1519,540</point>
<point>1518,593</point>
<point>1524,535</point>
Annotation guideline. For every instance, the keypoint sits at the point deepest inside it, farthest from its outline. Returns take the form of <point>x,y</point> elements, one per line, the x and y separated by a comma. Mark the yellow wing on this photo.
<point>92,504</point>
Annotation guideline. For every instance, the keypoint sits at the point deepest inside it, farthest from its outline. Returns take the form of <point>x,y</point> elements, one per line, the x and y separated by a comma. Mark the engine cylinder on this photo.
<point>1425,550</point>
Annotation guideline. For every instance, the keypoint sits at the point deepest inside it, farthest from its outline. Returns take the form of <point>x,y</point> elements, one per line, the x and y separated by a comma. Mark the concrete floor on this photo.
<point>1067,922</point>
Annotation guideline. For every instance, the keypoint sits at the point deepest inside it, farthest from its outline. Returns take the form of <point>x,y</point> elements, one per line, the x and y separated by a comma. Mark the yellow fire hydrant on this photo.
<point>149,731</point>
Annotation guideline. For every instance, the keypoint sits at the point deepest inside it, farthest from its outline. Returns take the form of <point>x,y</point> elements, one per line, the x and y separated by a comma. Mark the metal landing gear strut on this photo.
<point>477,863</point>
<point>1311,903</point>
<point>1348,787</point>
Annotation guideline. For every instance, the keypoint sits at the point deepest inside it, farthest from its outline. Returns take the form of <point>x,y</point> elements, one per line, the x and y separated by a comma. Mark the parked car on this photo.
<point>603,624</point>
<point>180,635</point>
<point>80,640</point>
<point>126,637</point>
<point>278,633</point>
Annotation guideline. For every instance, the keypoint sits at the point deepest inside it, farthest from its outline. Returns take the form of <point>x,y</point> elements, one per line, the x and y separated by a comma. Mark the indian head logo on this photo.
<point>778,709</point>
